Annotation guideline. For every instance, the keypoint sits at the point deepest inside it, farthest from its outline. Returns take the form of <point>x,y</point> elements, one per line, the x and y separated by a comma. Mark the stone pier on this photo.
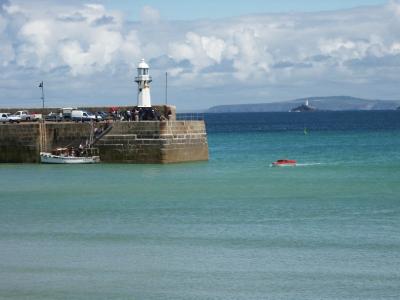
<point>158,142</point>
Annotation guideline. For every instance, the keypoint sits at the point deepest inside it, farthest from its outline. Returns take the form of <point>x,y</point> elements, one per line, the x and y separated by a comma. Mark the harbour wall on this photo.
<point>127,142</point>
<point>161,109</point>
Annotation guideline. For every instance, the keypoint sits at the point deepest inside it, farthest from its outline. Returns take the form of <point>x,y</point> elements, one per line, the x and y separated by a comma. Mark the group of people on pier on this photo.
<point>139,114</point>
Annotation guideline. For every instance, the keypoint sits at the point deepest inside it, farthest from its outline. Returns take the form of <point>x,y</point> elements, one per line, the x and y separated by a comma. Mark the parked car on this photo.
<point>95,117</point>
<point>24,115</point>
<point>14,118</point>
<point>54,117</point>
<point>103,115</point>
<point>4,117</point>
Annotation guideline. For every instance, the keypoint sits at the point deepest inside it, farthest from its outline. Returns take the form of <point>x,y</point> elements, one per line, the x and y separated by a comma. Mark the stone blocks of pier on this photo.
<point>155,142</point>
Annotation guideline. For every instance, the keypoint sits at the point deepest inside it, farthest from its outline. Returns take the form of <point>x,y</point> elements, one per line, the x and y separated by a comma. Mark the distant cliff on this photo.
<point>337,103</point>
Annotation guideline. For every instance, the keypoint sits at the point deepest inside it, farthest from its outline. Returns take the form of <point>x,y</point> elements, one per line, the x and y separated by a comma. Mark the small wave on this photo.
<point>300,165</point>
<point>308,164</point>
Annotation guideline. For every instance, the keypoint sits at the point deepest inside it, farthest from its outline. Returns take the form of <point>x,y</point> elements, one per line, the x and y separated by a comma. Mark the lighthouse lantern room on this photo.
<point>143,79</point>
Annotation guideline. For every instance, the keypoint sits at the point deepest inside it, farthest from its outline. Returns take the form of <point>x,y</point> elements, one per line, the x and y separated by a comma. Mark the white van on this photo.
<point>81,115</point>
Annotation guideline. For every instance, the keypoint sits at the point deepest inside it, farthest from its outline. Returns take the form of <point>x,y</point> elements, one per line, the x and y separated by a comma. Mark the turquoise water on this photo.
<point>230,228</point>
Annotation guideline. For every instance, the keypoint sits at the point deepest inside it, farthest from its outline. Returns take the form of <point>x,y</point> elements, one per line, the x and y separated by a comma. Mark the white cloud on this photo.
<point>86,40</point>
<point>395,48</point>
<point>3,24</point>
<point>37,45</point>
<point>7,54</point>
<point>201,51</point>
<point>394,6</point>
<point>131,48</point>
<point>150,15</point>
<point>252,55</point>
<point>12,9</point>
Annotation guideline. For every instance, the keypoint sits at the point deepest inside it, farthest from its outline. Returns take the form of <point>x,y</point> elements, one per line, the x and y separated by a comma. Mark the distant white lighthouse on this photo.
<point>143,80</point>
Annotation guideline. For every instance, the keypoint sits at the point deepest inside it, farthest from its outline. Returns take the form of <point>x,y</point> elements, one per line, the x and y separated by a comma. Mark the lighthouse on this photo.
<point>143,80</point>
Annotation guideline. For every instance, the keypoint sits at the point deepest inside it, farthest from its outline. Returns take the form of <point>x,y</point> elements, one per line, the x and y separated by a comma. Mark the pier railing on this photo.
<point>190,117</point>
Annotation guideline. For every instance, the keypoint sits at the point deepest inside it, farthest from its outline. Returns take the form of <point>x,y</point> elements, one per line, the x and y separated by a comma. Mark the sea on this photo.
<point>230,228</point>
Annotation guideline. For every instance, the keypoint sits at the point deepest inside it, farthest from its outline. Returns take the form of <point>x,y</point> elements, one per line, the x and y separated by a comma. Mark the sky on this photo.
<point>189,10</point>
<point>215,52</point>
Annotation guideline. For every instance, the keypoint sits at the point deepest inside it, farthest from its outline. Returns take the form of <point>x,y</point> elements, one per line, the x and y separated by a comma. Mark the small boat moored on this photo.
<point>68,156</point>
<point>84,154</point>
<point>284,163</point>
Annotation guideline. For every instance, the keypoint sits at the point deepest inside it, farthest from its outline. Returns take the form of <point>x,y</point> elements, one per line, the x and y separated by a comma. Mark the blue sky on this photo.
<point>225,52</point>
<point>189,10</point>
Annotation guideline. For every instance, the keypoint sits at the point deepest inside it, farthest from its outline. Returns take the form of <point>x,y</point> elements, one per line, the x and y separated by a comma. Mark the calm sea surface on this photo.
<point>230,228</point>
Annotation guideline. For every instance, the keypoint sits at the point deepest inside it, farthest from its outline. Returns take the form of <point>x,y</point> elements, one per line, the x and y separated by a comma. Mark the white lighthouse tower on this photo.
<point>143,80</point>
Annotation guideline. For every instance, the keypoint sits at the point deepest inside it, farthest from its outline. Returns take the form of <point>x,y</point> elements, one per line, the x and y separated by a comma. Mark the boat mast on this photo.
<point>91,134</point>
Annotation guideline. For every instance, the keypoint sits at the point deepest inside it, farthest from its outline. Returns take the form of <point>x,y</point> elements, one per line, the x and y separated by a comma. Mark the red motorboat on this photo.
<point>284,163</point>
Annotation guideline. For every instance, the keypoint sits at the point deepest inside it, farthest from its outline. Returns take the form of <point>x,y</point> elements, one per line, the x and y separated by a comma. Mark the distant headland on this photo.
<point>334,103</point>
